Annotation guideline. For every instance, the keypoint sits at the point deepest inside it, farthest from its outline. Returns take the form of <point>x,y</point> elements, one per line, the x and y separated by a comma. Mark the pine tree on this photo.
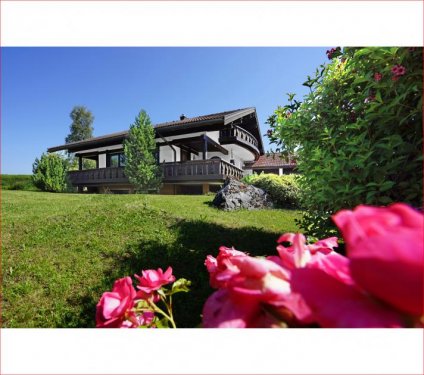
<point>140,161</point>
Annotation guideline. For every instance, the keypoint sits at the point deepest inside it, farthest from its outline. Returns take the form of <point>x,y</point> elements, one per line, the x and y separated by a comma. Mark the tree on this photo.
<point>82,125</point>
<point>358,133</point>
<point>50,173</point>
<point>140,162</point>
<point>80,129</point>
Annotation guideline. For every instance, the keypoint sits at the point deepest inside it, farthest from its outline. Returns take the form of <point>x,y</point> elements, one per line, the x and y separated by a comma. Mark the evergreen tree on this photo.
<point>140,161</point>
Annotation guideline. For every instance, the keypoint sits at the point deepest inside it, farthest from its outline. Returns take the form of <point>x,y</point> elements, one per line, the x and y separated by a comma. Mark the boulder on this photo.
<point>235,195</point>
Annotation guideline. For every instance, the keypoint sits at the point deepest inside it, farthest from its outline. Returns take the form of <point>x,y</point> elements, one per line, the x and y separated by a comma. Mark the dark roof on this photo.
<point>213,116</point>
<point>273,160</point>
<point>188,122</point>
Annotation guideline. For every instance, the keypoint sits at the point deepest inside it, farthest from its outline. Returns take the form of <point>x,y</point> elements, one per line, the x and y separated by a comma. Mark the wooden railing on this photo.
<point>199,170</point>
<point>98,176</point>
<point>237,133</point>
<point>194,170</point>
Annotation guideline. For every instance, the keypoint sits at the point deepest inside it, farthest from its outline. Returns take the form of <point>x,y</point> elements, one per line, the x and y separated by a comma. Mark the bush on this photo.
<point>50,173</point>
<point>357,134</point>
<point>17,182</point>
<point>284,190</point>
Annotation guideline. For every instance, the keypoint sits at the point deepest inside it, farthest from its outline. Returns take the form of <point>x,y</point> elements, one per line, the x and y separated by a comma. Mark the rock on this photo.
<point>235,195</point>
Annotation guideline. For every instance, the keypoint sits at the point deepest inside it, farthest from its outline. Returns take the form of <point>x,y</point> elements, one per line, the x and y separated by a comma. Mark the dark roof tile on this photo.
<point>273,160</point>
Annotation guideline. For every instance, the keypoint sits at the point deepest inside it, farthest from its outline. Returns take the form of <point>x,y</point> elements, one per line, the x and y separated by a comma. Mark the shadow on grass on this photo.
<point>186,255</point>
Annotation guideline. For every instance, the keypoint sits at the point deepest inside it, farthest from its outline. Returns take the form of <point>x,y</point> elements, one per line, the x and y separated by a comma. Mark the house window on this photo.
<point>116,160</point>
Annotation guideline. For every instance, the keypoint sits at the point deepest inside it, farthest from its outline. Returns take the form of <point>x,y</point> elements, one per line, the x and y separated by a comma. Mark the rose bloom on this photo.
<point>385,248</point>
<point>152,280</point>
<point>114,308</point>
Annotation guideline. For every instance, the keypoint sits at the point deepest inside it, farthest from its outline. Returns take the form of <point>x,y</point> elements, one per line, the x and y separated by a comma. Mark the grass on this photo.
<point>60,252</point>
<point>17,182</point>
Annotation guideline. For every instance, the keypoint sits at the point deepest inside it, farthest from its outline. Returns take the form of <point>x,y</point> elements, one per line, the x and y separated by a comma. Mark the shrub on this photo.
<point>17,182</point>
<point>50,173</point>
<point>358,133</point>
<point>284,190</point>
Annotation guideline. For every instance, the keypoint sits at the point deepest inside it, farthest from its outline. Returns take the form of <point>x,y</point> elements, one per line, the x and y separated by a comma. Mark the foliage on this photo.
<point>309,284</point>
<point>358,133</point>
<point>81,127</point>
<point>284,190</point>
<point>17,182</point>
<point>50,173</point>
<point>79,244</point>
<point>140,161</point>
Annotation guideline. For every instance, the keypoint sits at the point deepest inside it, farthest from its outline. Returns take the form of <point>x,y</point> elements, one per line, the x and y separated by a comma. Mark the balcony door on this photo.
<point>185,155</point>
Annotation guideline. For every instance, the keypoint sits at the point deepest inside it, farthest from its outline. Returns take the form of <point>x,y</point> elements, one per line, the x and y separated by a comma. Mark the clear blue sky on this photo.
<point>40,86</point>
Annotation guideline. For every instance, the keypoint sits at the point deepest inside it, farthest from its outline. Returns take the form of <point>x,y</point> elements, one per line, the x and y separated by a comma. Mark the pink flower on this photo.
<point>398,70</point>
<point>378,77</point>
<point>144,319</point>
<point>115,307</point>
<point>152,280</point>
<point>385,248</point>
<point>335,304</point>
<point>299,254</point>
<point>221,269</point>
<point>250,286</point>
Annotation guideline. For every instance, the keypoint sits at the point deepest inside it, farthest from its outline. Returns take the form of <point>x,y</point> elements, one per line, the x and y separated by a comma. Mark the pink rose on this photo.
<point>220,269</point>
<point>144,319</point>
<point>152,280</point>
<point>336,304</point>
<point>251,289</point>
<point>115,307</point>
<point>385,248</point>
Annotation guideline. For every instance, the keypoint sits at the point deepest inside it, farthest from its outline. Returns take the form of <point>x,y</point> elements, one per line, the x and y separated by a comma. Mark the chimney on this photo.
<point>182,117</point>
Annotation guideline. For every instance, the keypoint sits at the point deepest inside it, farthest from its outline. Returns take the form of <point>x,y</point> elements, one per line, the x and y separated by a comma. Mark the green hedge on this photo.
<point>17,182</point>
<point>284,190</point>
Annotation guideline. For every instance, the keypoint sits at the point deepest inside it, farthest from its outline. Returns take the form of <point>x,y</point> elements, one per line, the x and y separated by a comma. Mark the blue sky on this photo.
<point>40,86</point>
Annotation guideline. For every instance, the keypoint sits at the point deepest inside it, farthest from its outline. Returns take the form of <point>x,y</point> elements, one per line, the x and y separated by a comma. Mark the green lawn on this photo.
<point>61,251</point>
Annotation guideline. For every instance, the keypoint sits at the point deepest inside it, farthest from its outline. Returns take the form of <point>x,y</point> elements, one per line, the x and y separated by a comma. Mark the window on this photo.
<point>122,160</point>
<point>116,160</point>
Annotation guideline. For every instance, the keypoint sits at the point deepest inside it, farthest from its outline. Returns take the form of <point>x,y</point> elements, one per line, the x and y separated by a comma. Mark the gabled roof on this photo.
<point>221,118</point>
<point>273,160</point>
<point>227,115</point>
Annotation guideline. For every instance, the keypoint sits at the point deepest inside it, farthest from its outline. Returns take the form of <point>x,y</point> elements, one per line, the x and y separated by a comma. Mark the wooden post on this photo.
<point>205,188</point>
<point>205,148</point>
<point>80,163</point>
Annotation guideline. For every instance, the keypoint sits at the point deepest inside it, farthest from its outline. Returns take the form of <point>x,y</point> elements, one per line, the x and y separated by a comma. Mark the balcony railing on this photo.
<point>194,170</point>
<point>200,170</point>
<point>99,176</point>
<point>236,134</point>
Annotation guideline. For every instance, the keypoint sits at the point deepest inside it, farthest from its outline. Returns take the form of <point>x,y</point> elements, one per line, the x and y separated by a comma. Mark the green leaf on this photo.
<point>181,285</point>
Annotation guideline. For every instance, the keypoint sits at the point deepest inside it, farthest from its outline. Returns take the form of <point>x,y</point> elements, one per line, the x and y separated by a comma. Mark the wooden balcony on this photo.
<point>188,171</point>
<point>99,176</point>
<point>240,136</point>
<point>200,170</point>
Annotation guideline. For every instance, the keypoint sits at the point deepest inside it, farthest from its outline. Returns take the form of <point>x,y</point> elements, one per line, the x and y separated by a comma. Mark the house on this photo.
<point>196,154</point>
<point>274,163</point>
